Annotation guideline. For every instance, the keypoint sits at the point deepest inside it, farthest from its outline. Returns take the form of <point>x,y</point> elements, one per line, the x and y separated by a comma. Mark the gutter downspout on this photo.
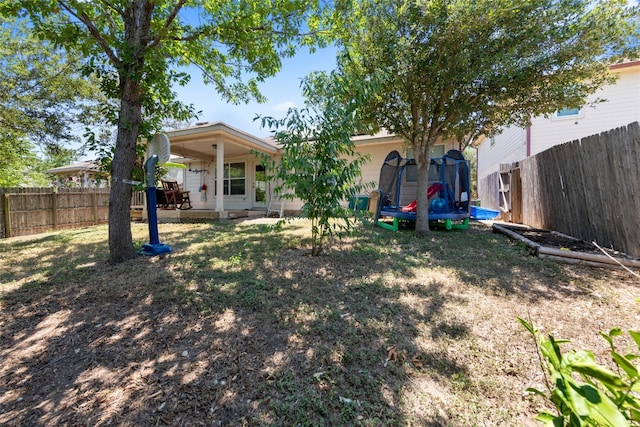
<point>528,138</point>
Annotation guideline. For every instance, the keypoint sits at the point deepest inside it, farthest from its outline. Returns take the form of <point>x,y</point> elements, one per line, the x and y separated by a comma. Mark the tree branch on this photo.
<point>210,30</point>
<point>172,16</point>
<point>95,33</point>
<point>112,24</point>
<point>112,7</point>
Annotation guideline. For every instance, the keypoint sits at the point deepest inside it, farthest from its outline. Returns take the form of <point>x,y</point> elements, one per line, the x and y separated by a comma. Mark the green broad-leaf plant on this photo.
<point>584,392</point>
<point>319,164</point>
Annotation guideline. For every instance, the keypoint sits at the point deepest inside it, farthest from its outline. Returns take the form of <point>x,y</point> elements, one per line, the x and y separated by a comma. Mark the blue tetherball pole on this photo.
<point>154,247</point>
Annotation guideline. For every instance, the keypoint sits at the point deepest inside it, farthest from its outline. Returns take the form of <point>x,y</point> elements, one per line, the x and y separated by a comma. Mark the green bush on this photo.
<point>319,165</point>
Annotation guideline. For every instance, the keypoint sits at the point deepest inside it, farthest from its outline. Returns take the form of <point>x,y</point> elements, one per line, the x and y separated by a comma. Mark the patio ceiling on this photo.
<point>199,142</point>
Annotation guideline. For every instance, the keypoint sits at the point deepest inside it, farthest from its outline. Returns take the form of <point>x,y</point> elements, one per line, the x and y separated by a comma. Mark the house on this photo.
<point>85,174</point>
<point>223,173</point>
<point>622,106</point>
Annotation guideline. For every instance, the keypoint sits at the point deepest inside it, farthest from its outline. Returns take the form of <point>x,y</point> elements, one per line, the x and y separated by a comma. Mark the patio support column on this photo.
<point>220,178</point>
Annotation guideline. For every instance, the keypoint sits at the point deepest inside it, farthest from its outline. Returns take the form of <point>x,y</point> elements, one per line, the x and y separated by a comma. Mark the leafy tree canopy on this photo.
<point>43,96</point>
<point>138,49</point>
<point>457,68</point>
<point>23,165</point>
<point>235,44</point>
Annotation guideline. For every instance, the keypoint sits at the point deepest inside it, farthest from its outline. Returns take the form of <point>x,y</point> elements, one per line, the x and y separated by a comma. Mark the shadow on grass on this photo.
<point>238,326</point>
<point>494,263</point>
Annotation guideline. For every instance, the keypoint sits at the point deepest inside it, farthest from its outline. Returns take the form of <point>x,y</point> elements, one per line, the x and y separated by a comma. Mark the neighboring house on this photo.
<point>83,175</point>
<point>223,157</point>
<point>622,106</point>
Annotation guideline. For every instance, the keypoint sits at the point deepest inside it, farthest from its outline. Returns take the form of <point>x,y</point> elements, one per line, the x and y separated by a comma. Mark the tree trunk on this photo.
<point>120,239</point>
<point>137,22</point>
<point>422,209</point>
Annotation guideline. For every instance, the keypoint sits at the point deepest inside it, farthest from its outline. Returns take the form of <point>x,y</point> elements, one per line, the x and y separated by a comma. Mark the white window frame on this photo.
<point>228,178</point>
<point>568,114</point>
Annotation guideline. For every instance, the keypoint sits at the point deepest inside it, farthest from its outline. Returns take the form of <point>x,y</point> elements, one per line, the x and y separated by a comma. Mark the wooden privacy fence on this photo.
<point>588,188</point>
<point>35,210</point>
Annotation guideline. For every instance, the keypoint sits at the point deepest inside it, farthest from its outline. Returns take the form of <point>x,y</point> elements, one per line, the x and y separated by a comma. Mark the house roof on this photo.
<point>628,64</point>
<point>383,136</point>
<point>199,141</point>
<point>86,166</point>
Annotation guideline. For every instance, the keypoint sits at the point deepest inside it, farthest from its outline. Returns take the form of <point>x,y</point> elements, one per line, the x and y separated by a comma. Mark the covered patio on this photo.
<point>223,174</point>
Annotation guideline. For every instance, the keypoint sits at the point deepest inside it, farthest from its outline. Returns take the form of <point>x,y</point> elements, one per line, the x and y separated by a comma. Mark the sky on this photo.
<point>282,92</point>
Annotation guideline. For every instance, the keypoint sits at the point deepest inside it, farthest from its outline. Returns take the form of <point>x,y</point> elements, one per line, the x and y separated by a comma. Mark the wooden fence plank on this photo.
<point>54,211</point>
<point>589,189</point>
<point>489,196</point>
<point>35,210</point>
<point>516,196</point>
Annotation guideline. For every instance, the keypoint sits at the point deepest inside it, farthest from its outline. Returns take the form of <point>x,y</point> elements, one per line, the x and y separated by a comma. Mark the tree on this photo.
<point>137,48</point>
<point>319,164</point>
<point>15,161</point>
<point>457,68</point>
<point>42,97</point>
<point>23,164</point>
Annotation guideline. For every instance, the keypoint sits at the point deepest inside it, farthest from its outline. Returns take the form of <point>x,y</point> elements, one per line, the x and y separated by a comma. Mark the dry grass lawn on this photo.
<point>238,326</point>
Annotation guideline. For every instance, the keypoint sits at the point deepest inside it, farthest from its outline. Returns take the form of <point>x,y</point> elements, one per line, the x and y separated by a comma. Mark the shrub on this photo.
<point>584,392</point>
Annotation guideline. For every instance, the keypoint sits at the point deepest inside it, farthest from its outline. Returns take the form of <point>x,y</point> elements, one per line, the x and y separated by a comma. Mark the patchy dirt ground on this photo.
<point>239,327</point>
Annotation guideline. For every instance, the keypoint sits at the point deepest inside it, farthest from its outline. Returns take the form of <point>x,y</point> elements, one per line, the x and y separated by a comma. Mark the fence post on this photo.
<point>94,205</point>
<point>54,208</point>
<point>7,216</point>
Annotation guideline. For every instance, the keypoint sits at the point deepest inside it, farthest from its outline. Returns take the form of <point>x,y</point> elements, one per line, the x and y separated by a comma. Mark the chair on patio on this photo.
<point>275,205</point>
<point>175,198</point>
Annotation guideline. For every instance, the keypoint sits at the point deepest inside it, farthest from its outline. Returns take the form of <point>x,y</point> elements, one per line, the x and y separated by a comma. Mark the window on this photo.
<point>569,113</point>
<point>408,154</point>
<point>234,179</point>
<point>492,141</point>
<point>411,171</point>
<point>436,151</point>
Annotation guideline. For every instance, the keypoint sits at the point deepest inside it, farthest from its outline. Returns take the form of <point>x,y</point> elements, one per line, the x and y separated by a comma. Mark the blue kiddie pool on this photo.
<point>483,213</point>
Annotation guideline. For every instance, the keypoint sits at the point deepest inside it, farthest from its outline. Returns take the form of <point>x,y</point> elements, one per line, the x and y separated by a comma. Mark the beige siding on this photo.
<point>192,184</point>
<point>378,152</point>
<point>622,106</point>
<point>207,200</point>
<point>509,146</point>
<point>371,170</point>
<point>379,149</point>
